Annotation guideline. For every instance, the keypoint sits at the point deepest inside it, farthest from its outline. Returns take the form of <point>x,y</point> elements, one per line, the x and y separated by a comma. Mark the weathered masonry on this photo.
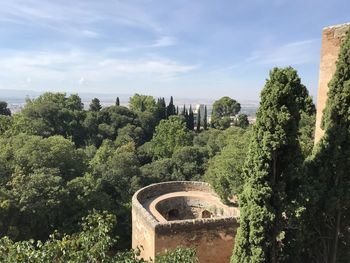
<point>332,37</point>
<point>186,214</point>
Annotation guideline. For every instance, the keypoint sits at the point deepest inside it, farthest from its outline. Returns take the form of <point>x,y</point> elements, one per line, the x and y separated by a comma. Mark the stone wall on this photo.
<point>213,237</point>
<point>213,242</point>
<point>331,41</point>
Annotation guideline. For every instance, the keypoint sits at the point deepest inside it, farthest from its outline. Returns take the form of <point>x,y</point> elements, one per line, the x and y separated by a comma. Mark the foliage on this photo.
<point>92,244</point>
<point>242,120</point>
<point>189,163</point>
<point>3,109</point>
<point>52,114</point>
<point>223,109</point>
<point>27,153</point>
<point>183,255</point>
<point>225,171</point>
<point>170,110</point>
<point>142,103</point>
<point>306,133</point>
<point>272,172</point>
<point>327,234</point>
<point>169,136</point>
<point>95,105</point>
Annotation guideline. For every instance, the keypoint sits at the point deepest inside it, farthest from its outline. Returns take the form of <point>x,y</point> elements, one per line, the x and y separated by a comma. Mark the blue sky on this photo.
<point>185,48</point>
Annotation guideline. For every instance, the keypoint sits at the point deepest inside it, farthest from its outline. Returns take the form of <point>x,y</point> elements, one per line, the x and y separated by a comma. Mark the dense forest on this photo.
<point>67,173</point>
<point>65,169</point>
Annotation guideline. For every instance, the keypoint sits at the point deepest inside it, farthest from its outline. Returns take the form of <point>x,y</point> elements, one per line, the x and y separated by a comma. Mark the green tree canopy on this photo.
<point>242,120</point>
<point>170,135</point>
<point>142,103</point>
<point>272,172</point>
<point>225,171</point>
<point>327,234</point>
<point>95,105</point>
<point>3,109</point>
<point>223,109</point>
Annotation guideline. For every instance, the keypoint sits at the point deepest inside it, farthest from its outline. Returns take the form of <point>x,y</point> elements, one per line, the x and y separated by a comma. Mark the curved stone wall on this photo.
<point>189,214</point>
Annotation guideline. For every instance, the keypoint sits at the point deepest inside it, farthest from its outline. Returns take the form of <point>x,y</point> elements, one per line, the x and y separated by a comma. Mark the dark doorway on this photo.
<point>206,214</point>
<point>173,214</point>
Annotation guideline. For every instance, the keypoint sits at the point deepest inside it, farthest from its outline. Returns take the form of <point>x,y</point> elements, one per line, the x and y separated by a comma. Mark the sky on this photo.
<point>184,48</point>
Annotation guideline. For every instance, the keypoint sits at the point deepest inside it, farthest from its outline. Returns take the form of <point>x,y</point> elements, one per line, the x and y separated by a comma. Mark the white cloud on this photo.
<point>164,41</point>
<point>54,67</point>
<point>89,33</point>
<point>294,53</point>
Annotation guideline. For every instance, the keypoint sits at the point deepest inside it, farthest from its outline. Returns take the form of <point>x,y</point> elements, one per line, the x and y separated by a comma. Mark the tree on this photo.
<point>190,119</point>
<point>5,124</point>
<point>272,172</point>
<point>117,102</point>
<point>225,170</point>
<point>95,105</point>
<point>27,153</point>
<point>327,234</point>
<point>169,136</point>
<point>141,103</point>
<point>223,110</point>
<point>161,109</point>
<point>205,119</point>
<point>52,114</point>
<point>41,199</point>
<point>198,120</point>
<point>190,163</point>
<point>158,171</point>
<point>242,121</point>
<point>171,110</point>
<point>3,109</point>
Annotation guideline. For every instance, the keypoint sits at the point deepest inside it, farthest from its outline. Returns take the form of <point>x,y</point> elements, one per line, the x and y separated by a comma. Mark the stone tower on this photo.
<point>332,37</point>
<point>183,214</point>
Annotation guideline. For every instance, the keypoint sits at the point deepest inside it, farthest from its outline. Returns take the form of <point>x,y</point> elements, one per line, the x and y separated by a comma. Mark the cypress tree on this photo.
<point>205,121</point>
<point>171,110</point>
<point>183,110</point>
<point>328,217</point>
<point>187,119</point>
<point>177,110</point>
<point>161,109</point>
<point>117,102</point>
<point>191,119</point>
<point>199,120</point>
<point>272,172</point>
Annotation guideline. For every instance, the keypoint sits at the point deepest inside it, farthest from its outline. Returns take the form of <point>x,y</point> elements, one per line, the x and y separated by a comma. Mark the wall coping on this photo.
<point>154,190</point>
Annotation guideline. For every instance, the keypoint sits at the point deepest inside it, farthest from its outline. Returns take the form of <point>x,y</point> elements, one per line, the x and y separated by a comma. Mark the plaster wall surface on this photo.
<point>331,41</point>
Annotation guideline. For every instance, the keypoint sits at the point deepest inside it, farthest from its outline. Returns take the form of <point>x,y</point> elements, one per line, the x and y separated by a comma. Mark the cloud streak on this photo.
<point>294,53</point>
<point>60,66</point>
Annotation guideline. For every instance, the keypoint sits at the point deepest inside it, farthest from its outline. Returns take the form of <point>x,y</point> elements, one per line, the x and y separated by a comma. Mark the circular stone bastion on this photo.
<point>183,214</point>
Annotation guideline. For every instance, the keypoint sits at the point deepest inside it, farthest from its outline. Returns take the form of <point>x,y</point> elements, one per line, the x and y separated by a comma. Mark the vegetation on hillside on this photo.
<point>60,162</point>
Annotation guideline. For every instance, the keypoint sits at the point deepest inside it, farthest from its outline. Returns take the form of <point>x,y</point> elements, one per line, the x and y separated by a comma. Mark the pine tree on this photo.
<point>205,119</point>
<point>117,102</point>
<point>171,110</point>
<point>199,120</point>
<point>272,172</point>
<point>328,217</point>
